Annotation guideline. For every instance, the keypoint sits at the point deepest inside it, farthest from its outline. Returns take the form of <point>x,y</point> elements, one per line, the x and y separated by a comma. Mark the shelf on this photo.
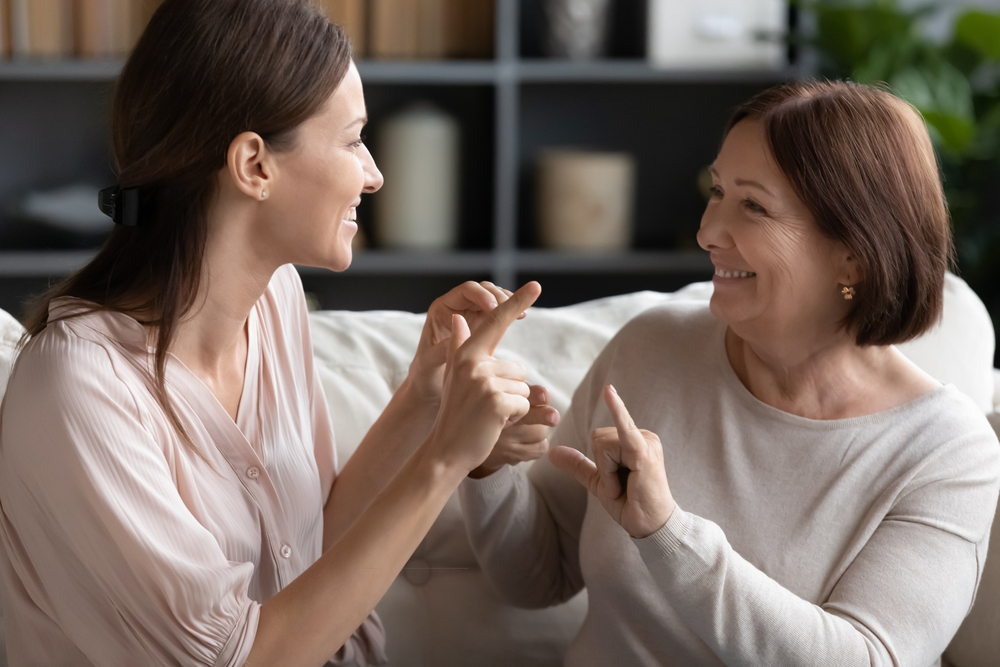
<point>636,261</point>
<point>388,262</point>
<point>442,72</point>
<point>542,70</point>
<point>428,72</point>
<point>43,263</point>
<point>59,70</point>
<point>372,71</point>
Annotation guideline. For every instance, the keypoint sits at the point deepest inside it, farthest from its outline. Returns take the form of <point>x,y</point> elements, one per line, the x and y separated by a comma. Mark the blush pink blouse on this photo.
<point>122,545</point>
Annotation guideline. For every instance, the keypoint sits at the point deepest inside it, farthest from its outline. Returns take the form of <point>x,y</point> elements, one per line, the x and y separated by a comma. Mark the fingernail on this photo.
<point>613,390</point>
<point>553,418</point>
<point>494,303</point>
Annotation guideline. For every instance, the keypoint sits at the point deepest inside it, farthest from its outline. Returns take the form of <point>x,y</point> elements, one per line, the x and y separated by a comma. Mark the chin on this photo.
<point>342,263</point>
<point>724,309</point>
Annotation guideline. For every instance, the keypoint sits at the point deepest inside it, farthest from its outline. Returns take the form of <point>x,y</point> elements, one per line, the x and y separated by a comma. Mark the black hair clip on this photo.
<point>122,206</point>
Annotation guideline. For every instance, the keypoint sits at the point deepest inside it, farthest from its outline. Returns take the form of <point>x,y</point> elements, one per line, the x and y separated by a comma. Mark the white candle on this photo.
<point>418,153</point>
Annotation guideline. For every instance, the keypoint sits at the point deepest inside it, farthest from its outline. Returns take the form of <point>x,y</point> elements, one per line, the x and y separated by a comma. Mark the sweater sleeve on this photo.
<point>899,602</point>
<point>524,527</point>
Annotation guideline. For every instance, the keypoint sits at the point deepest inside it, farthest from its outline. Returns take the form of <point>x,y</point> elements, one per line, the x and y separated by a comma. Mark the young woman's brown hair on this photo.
<point>228,72</point>
<point>862,162</point>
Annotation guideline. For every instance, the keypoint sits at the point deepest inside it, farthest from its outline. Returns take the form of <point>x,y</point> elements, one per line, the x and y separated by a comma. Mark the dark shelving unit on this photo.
<point>54,130</point>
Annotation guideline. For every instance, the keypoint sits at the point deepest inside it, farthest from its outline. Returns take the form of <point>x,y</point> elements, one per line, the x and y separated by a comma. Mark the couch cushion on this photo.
<point>959,349</point>
<point>977,642</point>
<point>10,333</point>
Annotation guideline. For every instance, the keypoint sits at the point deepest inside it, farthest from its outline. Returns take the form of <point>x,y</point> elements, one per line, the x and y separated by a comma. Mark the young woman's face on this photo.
<point>322,179</point>
<point>775,273</point>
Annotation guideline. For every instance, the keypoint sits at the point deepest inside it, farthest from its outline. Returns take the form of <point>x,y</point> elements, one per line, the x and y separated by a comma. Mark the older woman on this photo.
<point>828,503</point>
<point>168,480</point>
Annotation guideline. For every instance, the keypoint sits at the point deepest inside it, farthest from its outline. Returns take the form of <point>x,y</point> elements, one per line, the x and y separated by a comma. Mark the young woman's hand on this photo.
<point>481,394</point>
<point>526,440</point>
<point>627,474</point>
<point>473,301</point>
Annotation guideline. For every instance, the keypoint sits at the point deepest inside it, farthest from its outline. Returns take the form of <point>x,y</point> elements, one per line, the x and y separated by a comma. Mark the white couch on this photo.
<point>441,611</point>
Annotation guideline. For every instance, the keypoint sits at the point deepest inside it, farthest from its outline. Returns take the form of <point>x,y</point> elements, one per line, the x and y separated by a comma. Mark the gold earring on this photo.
<point>848,292</point>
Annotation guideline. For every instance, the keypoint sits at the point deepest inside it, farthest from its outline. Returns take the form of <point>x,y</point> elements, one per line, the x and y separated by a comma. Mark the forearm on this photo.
<point>383,452</point>
<point>310,619</point>
<point>517,541</point>
<point>877,615</point>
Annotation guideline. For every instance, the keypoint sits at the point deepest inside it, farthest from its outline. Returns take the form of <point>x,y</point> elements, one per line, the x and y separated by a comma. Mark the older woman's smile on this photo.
<point>723,273</point>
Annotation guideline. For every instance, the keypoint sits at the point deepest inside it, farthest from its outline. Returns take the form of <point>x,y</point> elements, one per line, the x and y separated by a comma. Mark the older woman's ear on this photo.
<point>849,270</point>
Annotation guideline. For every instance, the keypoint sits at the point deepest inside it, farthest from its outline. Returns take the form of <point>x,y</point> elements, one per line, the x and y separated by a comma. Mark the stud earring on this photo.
<point>263,194</point>
<point>848,292</point>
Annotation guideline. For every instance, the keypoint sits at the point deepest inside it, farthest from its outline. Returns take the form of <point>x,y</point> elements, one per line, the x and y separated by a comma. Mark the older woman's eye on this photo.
<point>715,191</point>
<point>753,206</point>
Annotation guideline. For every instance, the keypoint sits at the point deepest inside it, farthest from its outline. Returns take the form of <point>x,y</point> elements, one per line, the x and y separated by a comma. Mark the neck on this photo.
<point>826,377</point>
<point>212,336</point>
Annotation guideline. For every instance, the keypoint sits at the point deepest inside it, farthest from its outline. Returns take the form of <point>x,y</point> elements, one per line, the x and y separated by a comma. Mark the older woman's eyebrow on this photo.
<point>363,120</point>
<point>752,184</point>
<point>741,181</point>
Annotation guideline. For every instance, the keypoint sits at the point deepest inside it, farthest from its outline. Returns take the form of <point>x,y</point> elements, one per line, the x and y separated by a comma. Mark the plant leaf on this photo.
<point>981,31</point>
<point>938,87</point>
<point>955,133</point>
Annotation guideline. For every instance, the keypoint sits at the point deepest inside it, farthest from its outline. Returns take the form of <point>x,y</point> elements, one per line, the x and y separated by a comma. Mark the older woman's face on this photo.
<point>775,273</point>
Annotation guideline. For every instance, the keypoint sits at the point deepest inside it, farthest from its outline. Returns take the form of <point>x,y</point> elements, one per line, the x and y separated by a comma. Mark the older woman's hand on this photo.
<point>627,474</point>
<point>524,440</point>
<point>473,301</point>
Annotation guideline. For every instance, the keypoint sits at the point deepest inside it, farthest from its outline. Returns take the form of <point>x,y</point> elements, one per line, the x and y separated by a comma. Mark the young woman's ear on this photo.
<point>250,165</point>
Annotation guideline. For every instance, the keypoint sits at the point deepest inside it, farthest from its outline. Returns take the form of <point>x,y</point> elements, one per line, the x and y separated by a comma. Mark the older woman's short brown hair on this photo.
<point>862,162</point>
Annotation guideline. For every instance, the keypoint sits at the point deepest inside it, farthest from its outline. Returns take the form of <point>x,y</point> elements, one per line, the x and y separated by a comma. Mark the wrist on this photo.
<point>424,386</point>
<point>669,507</point>
<point>431,460</point>
<point>420,398</point>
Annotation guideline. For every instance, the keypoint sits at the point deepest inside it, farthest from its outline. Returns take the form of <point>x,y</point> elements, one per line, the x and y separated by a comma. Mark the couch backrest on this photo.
<point>362,358</point>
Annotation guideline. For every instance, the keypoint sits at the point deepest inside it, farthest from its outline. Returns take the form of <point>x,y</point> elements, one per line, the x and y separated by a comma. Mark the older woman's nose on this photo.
<point>373,177</point>
<point>713,234</point>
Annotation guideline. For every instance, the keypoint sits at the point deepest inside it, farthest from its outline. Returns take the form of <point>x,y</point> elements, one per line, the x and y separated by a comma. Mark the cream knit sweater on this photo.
<point>796,542</point>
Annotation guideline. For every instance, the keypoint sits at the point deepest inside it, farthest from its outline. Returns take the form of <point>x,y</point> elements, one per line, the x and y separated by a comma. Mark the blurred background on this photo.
<point>563,141</point>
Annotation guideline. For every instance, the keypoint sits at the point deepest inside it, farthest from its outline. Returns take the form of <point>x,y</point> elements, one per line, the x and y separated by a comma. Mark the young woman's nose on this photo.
<point>373,177</point>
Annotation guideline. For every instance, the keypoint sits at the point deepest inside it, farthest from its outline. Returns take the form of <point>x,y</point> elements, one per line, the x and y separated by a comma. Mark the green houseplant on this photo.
<point>955,84</point>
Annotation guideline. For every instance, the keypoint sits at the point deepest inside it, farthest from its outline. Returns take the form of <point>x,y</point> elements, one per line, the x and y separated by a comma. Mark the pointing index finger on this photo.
<point>491,332</point>
<point>619,413</point>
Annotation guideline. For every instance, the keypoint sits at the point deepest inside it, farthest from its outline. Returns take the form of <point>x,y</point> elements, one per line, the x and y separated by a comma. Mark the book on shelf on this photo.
<point>428,29</point>
<point>41,28</point>
<point>350,15</point>
<point>5,34</point>
<point>50,29</point>
<point>469,27</point>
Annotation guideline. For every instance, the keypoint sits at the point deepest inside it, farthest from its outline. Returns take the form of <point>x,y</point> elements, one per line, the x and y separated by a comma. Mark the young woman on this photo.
<point>167,471</point>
